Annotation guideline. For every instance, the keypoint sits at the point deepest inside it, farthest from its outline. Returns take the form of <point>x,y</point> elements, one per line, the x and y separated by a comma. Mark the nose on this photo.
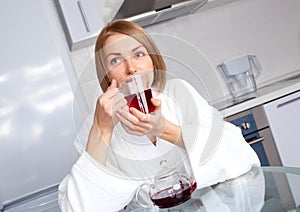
<point>130,66</point>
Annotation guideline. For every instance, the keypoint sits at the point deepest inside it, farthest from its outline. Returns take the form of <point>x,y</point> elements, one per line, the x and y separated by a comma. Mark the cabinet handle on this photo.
<point>288,102</point>
<point>83,14</point>
<point>256,140</point>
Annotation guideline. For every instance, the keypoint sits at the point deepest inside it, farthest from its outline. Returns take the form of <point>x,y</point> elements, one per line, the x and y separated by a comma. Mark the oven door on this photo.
<point>252,135</point>
<point>269,146</point>
<point>256,141</point>
<point>263,144</point>
<point>257,133</point>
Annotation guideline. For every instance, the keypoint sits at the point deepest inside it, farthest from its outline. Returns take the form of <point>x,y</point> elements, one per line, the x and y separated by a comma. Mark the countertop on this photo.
<point>263,95</point>
<point>262,189</point>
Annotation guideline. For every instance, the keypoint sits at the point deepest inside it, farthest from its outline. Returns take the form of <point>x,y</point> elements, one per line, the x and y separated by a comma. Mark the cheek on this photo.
<point>114,75</point>
<point>148,64</point>
<point>151,66</point>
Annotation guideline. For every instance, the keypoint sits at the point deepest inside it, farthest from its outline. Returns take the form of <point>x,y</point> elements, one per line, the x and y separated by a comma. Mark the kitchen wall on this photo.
<point>269,29</point>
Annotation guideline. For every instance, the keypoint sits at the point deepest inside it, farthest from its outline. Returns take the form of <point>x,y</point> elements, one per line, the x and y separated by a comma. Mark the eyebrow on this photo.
<point>118,54</point>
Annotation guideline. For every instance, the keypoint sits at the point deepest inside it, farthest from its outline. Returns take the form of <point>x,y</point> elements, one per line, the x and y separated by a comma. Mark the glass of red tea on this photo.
<point>137,91</point>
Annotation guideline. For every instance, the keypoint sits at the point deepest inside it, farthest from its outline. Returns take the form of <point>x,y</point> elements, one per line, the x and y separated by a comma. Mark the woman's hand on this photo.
<point>106,107</point>
<point>104,122</point>
<point>138,123</point>
<point>153,125</point>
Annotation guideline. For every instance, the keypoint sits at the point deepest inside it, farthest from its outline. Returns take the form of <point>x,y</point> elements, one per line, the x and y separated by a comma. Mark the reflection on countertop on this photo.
<point>261,96</point>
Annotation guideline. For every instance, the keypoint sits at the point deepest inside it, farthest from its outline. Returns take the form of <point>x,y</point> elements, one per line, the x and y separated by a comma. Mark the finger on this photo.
<point>110,102</point>
<point>119,103</point>
<point>131,127</point>
<point>132,121</point>
<point>140,115</point>
<point>108,95</point>
<point>125,116</point>
<point>122,103</point>
<point>113,84</point>
<point>111,93</point>
<point>132,132</point>
<point>119,99</point>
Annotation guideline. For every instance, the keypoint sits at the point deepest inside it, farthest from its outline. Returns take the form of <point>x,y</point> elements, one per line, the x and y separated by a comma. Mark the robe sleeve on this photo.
<point>93,187</point>
<point>216,148</point>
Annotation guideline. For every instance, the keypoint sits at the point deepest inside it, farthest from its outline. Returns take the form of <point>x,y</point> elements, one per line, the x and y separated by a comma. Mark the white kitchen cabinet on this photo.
<point>82,21</point>
<point>283,116</point>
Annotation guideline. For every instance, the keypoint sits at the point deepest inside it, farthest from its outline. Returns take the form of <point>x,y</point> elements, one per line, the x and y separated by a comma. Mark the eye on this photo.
<point>139,54</point>
<point>115,61</point>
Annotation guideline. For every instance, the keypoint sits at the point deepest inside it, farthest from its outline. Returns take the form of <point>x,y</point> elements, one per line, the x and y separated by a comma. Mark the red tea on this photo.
<point>136,101</point>
<point>169,197</point>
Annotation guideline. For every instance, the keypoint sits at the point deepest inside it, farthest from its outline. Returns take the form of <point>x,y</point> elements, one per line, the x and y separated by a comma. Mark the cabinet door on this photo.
<point>81,20</point>
<point>283,116</point>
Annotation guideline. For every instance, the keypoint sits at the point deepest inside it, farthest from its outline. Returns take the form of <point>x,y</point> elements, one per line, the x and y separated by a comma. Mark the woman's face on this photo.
<point>125,56</point>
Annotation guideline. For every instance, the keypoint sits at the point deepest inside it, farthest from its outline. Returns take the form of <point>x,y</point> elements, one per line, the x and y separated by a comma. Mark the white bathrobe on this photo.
<point>216,149</point>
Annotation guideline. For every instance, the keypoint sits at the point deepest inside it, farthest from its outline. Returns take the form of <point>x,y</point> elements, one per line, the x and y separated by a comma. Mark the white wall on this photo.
<point>269,29</point>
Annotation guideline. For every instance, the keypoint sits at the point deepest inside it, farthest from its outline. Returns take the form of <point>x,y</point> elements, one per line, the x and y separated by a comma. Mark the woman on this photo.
<point>125,145</point>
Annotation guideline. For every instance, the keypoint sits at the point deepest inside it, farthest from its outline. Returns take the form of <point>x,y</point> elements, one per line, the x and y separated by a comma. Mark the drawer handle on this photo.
<point>256,140</point>
<point>83,14</point>
<point>288,102</point>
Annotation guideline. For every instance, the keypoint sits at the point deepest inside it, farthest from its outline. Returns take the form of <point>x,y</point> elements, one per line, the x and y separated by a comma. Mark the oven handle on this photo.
<point>256,140</point>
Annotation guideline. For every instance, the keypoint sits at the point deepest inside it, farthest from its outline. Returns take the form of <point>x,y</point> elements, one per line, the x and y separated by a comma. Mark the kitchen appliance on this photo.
<point>240,76</point>
<point>147,12</point>
<point>257,133</point>
<point>83,19</point>
<point>37,107</point>
<point>255,129</point>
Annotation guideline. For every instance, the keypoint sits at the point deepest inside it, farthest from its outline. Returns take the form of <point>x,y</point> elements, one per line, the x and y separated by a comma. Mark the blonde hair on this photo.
<point>138,33</point>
